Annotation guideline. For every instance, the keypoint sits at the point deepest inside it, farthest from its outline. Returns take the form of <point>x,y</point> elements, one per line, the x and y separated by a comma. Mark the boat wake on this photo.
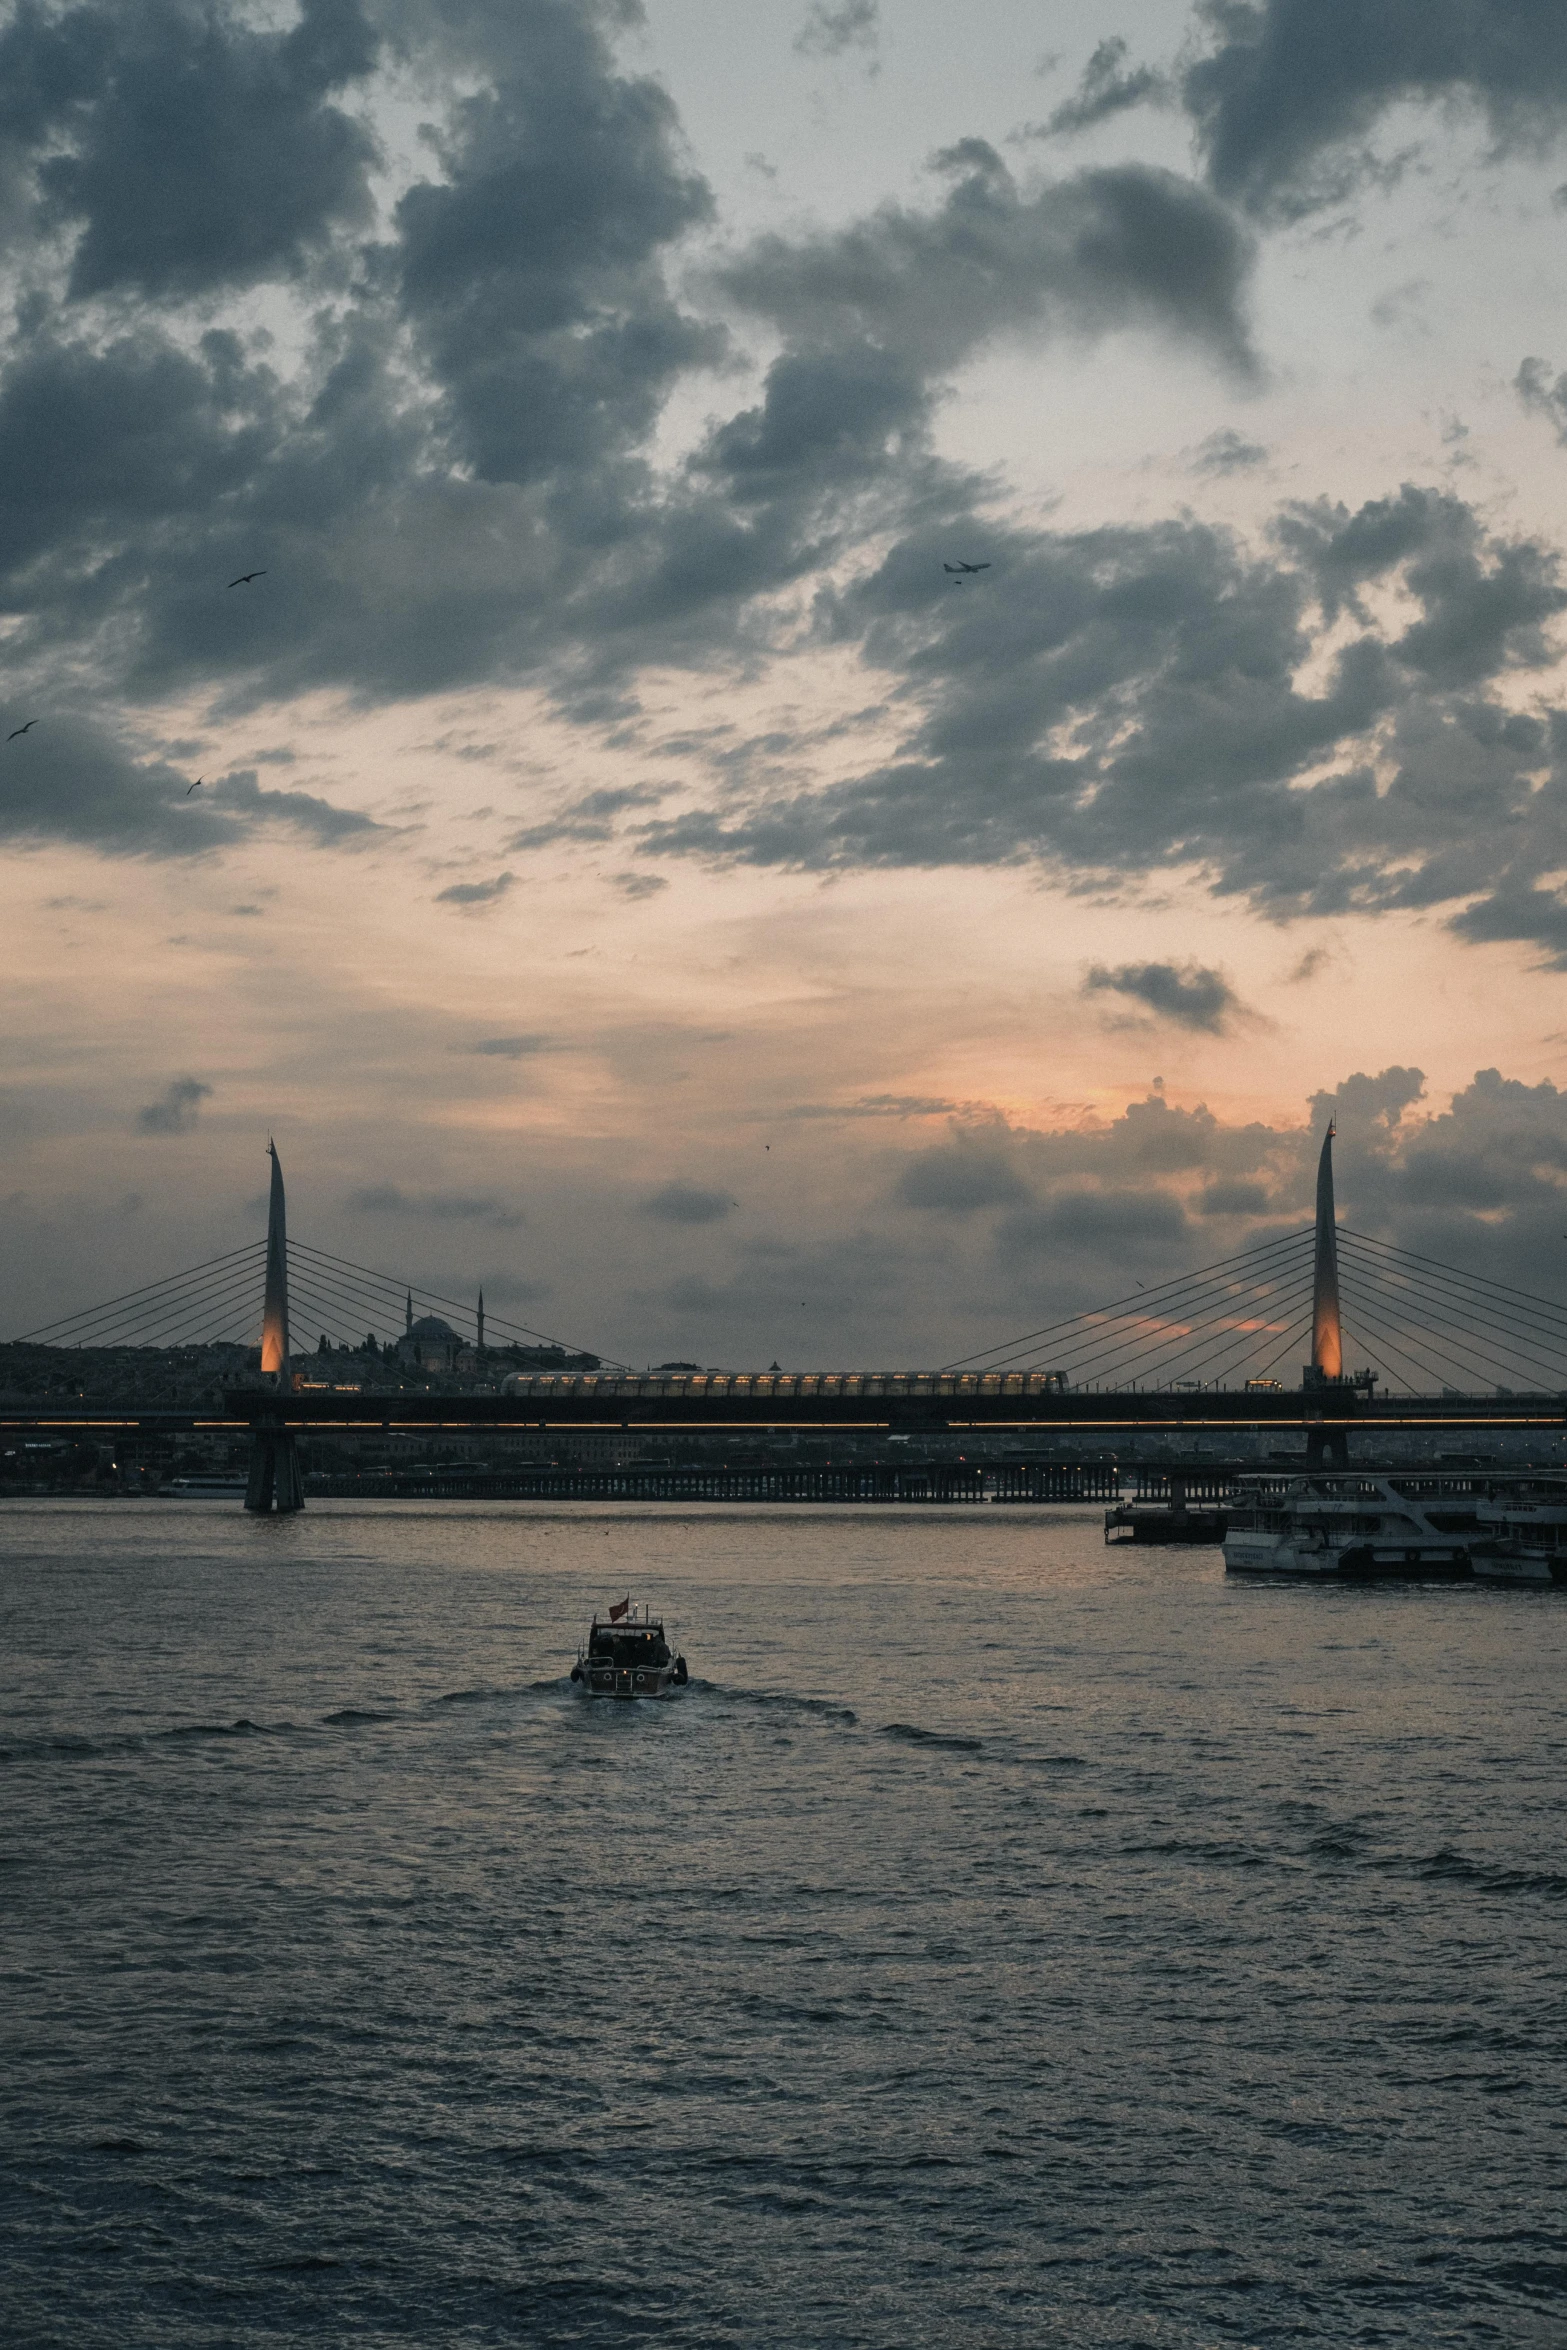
<point>784,1699</point>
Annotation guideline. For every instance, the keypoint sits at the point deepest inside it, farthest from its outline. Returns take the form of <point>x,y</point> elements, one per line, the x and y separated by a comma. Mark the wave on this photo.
<point>911,1734</point>
<point>1447,1866</point>
<point>77,1746</point>
<point>350,1716</point>
<point>1215,1848</point>
<point>243,1728</point>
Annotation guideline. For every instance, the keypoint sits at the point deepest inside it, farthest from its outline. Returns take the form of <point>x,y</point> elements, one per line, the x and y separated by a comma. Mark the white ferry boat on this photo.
<point>628,1655</point>
<point>1523,1534</point>
<point>1346,1525</point>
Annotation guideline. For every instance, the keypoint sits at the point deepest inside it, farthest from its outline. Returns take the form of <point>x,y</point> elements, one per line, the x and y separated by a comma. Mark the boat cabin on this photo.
<point>627,1644</point>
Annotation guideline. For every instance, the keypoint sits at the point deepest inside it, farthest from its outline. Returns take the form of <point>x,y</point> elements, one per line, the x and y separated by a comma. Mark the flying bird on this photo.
<point>246,577</point>
<point>965,567</point>
<point>196,786</point>
<point>31,723</point>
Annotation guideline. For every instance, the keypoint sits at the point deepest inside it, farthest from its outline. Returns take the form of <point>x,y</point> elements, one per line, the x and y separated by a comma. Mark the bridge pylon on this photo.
<point>275,1482</point>
<point>1326,1447</point>
<point>1327,1335</point>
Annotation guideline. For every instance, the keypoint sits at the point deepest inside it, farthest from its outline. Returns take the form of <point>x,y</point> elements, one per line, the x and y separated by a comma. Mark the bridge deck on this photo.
<point>914,1403</point>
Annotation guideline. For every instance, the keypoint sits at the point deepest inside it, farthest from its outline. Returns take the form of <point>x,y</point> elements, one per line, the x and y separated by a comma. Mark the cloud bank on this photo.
<point>442,459</point>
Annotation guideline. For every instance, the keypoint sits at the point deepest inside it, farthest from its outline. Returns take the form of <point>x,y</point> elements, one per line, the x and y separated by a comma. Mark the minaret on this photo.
<point>1327,1342</point>
<point>481,1321</point>
<point>274,1310</point>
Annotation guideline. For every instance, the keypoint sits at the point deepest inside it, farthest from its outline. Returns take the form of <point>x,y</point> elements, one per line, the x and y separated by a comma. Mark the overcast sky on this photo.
<point>628,867</point>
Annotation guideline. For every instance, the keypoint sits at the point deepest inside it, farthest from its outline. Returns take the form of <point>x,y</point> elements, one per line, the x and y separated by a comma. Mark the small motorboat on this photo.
<point>628,1655</point>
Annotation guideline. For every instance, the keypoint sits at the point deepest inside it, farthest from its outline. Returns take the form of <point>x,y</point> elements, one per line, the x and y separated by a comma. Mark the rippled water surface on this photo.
<point>1002,1940</point>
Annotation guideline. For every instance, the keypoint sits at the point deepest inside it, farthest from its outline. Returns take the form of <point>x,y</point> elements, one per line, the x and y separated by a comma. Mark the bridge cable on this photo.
<point>1102,1329</point>
<point>1456,1272</point>
<point>1450,1309</point>
<point>1139,1299</point>
<point>1422,1290</point>
<point>1204,1341</point>
<point>1432,1352</point>
<point>461,1306</point>
<point>91,1313</point>
<point>144,1325</point>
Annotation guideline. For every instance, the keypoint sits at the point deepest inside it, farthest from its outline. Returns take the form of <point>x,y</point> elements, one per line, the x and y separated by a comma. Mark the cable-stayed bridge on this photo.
<point>1324,1328</point>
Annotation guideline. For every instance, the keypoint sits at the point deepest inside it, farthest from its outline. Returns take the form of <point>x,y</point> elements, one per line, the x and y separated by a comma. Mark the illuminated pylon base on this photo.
<point>275,1482</point>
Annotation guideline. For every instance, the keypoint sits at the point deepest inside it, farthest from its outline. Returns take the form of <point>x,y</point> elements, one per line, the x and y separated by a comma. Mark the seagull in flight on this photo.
<point>965,567</point>
<point>246,577</point>
<point>196,786</point>
<point>27,729</point>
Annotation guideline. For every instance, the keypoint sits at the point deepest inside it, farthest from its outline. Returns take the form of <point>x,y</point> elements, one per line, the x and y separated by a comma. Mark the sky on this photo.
<point>605,845</point>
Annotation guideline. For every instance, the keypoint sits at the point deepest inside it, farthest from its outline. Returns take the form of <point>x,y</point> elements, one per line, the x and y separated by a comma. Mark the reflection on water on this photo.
<point>1001,1939</point>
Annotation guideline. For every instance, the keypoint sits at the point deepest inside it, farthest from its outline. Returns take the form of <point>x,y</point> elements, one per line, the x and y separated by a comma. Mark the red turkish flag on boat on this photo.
<point>621,1608</point>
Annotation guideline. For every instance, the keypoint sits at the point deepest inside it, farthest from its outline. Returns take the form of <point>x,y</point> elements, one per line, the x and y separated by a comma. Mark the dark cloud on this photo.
<point>959,1178</point>
<point>78,783</point>
<point>1534,387</point>
<point>1102,249</point>
<point>1188,994</point>
<point>176,1109</point>
<point>531,274</point>
<point>180,148</point>
<point>512,1048</point>
<point>445,466</point>
<point>1161,1190</point>
<point>1109,87</point>
<point>888,1105</point>
<point>1289,93</point>
<point>446,469</point>
<point>1123,1228</point>
<point>1135,701</point>
<point>830,30</point>
<point>1234,1199</point>
<point>1225,452</point>
<point>687,1203</point>
<point>639,885</point>
<point>453,462</point>
<point>592,816</point>
<point>457,1207</point>
<point>476,893</point>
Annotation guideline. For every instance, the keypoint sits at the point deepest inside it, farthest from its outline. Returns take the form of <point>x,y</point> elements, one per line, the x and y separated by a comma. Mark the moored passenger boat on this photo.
<point>628,1655</point>
<point>1353,1526</point>
<point>1523,1533</point>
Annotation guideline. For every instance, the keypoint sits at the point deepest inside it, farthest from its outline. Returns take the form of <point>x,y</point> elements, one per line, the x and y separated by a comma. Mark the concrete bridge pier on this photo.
<point>275,1482</point>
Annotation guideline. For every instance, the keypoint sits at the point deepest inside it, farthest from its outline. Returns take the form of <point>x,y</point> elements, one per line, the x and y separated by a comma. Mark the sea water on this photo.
<point>1002,1940</point>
